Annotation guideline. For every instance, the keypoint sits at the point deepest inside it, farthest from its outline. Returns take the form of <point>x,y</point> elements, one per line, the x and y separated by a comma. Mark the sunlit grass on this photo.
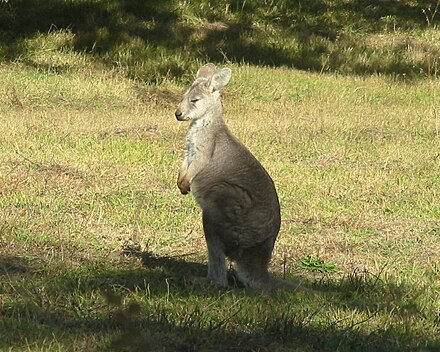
<point>89,177</point>
<point>157,41</point>
<point>96,242</point>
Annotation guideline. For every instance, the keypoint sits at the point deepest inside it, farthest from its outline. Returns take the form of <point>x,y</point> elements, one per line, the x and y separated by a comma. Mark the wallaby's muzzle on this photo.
<point>179,115</point>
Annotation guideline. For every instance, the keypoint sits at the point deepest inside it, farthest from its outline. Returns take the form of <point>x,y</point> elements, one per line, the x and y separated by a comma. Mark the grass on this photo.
<point>312,263</point>
<point>150,40</point>
<point>96,242</point>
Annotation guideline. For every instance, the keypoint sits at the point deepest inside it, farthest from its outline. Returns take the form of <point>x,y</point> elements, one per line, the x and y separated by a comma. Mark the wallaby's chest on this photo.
<point>198,139</point>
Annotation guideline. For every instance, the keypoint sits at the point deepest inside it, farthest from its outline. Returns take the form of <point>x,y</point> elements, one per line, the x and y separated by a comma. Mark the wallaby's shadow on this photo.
<point>13,265</point>
<point>162,274</point>
<point>182,271</point>
<point>177,266</point>
<point>359,290</point>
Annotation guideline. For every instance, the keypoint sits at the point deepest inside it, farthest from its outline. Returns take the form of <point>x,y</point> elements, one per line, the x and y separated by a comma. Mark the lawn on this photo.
<point>97,245</point>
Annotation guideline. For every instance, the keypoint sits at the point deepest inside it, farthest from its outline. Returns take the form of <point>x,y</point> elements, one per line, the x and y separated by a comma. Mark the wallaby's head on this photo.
<point>204,94</point>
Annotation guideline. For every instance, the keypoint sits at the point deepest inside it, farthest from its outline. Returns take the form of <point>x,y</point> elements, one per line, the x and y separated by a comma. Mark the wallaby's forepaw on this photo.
<point>183,185</point>
<point>184,188</point>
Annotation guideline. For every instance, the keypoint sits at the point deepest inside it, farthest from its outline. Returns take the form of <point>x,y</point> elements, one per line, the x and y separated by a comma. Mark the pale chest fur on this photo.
<point>197,139</point>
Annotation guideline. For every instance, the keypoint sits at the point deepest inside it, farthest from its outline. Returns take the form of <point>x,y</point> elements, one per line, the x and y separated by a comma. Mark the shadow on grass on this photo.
<point>154,39</point>
<point>150,308</point>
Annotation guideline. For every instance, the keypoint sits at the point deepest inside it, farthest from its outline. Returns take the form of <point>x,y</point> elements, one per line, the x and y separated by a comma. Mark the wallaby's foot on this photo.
<point>263,281</point>
<point>275,286</point>
<point>203,280</point>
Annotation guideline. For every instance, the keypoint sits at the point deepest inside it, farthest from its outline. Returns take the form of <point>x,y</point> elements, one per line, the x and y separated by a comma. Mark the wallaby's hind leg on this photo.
<point>217,272</point>
<point>252,265</point>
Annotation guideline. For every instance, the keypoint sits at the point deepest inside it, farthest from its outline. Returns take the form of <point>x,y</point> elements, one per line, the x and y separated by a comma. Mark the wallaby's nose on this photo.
<point>179,114</point>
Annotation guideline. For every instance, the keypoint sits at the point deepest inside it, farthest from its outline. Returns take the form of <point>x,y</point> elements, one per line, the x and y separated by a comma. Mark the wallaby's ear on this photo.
<point>220,79</point>
<point>206,71</point>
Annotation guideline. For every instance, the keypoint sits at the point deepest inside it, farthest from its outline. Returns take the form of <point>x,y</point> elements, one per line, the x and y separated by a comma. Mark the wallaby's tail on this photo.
<point>252,269</point>
<point>255,275</point>
<point>275,284</point>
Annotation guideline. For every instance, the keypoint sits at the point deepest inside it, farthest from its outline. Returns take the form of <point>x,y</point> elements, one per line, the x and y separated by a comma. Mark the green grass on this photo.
<point>313,264</point>
<point>96,242</point>
<point>152,41</point>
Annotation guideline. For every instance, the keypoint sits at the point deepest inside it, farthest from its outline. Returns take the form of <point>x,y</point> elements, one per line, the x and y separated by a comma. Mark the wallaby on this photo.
<point>240,207</point>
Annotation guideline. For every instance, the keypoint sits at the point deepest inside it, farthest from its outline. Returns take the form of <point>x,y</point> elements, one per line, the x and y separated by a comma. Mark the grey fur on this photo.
<point>241,211</point>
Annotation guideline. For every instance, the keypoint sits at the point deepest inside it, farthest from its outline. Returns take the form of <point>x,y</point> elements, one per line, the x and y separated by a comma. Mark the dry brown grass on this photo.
<point>82,180</point>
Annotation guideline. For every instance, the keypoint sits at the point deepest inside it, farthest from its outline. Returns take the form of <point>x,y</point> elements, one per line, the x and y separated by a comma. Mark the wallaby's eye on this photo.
<point>194,100</point>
